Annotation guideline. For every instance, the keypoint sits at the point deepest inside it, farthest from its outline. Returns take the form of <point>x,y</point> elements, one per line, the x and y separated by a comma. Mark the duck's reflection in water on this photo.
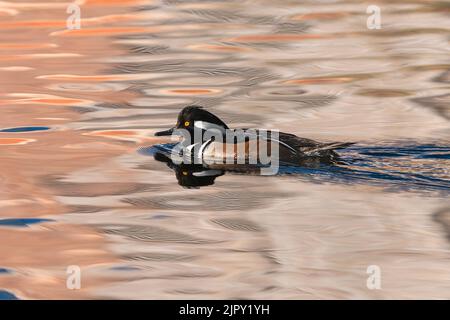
<point>190,175</point>
<point>400,168</point>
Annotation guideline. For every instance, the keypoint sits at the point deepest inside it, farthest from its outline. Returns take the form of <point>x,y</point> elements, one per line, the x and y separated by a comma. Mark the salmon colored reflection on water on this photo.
<point>93,78</point>
<point>14,141</point>
<point>125,135</point>
<point>30,46</point>
<point>113,18</point>
<point>125,30</point>
<point>35,99</point>
<point>80,107</point>
<point>192,91</point>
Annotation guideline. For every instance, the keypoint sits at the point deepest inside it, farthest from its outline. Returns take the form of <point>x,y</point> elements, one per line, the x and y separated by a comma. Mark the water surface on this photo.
<point>78,105</point>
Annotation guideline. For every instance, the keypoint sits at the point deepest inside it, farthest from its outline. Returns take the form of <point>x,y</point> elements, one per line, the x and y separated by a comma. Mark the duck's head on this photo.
<point>195,117</point>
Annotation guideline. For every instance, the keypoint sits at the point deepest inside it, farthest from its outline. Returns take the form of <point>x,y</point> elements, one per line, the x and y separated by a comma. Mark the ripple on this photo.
<point>114,2</point>
<point>444,77</point>
<point>14,141</point>
<point>152,233</point>
<point>98,78</point>
<point>410,168</point>
<point>34,6</point>
<point>16,68</point>
<point>322,80</point>
<point>5,295</point>
<point>94,32</point>
<point>191,91</point>
<point>91,87</point>
<point>42,56</point>
<point>25,129</point>
<point>276,37</point>
<point>384,93</point>
<point>218,48</point>
<point>238,224</point>
<point>27,45</point>
<point>274,94</point>
<point>157,256</point>
<point>46,99</point>
<point>440,104</point>
<point>184,91</point>
<point>442,216</point>
<point>282,92</point>
<point>321,16</point>
<point>98,189</point>
<point>313,70</point>
<point>124,268</point>
<point>220,201</point>
<point>113,133</point>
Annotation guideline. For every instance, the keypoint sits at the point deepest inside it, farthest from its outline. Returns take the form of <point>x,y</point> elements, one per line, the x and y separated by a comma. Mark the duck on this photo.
<point>206,139</point>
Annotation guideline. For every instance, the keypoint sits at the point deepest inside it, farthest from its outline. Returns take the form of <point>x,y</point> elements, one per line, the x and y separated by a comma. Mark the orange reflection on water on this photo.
<point>124,30</point>
<point>33,24</point>
<point>126,135</point>
<point>27,45</point>
<point>92,21</point>
<point>36,5</point>
<point>99,31</point>
<point>14,141</point>
<point>37,56</point>
<point>44,99</point>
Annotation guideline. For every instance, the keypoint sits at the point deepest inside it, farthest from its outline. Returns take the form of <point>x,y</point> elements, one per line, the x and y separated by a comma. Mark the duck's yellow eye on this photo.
<point>185,173</point>
<point>186,123</point>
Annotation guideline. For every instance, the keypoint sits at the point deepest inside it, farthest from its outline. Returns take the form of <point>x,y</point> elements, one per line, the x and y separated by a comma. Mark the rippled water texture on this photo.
<point>77,106</point>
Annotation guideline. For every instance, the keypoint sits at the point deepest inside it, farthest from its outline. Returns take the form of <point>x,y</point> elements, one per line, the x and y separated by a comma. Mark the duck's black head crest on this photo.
<point>192,114</point>
<point>195,116</point>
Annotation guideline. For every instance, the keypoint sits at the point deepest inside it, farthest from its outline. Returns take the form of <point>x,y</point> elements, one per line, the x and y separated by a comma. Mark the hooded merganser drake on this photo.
<point>194,121</point>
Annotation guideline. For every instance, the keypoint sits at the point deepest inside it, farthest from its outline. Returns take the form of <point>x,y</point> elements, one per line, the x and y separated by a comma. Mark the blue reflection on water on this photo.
<point>5,295</point>
<point>4,270</point>
<point>24,129</point>
<point>22,222</point>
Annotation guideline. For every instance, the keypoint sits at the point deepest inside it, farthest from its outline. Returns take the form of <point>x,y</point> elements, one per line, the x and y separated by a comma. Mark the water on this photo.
<point>4,295</point>
<point>21,222</point>
<point>81,187</point>
<point>24,129</point>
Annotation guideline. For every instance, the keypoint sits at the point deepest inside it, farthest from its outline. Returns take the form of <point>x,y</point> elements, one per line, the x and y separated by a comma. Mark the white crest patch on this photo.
<point>208,126</point>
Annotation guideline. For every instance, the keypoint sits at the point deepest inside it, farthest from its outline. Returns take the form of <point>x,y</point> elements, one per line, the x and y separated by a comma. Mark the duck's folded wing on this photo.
<point>297,142</point>
<point>309,146</point>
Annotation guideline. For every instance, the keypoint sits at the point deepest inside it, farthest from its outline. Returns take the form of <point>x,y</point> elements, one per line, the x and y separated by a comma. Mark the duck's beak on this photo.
<point>165,132</point>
